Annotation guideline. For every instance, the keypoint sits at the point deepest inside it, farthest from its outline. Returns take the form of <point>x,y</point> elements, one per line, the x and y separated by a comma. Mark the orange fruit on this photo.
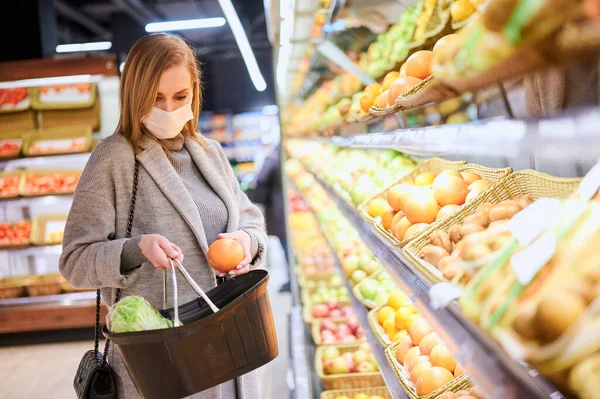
<point>422,207</point>
<point>387,217</point>
<point>441,357</point>
<point>425,179</point>
<point>397,217</point>
<point>374,89</point>
<point>377,207</point>
<point>401,86</point>
<point>401,228</point>
<point>366,101</point>
<point>433,379</point>
<point>418,65</point>
<point>403,347</point>
<point>418,330</point>
<point>225,254</point>
<point>415,229</point>
<point>389,326</point>
<point>400,335</point>
<point>446,210</point>
<point>401,317</point>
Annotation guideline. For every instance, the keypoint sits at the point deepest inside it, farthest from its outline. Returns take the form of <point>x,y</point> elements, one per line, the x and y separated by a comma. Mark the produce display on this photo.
<point>10,148</point>
<point>398,318</point>
<point>15,234</point>
<point>331,332</point>
<point>411,206</point>
<point>324,291</point>
<point>9,185</point>
<point>359,396</point>
<point>58,146</point>
<point>14,99</point>
<point>68,93</point>
<point>466,258</point>
<point>49,182</point>
<point>374,291</point>
<point>331,310</point>
<point>426,362</point>
<point>359,360</point>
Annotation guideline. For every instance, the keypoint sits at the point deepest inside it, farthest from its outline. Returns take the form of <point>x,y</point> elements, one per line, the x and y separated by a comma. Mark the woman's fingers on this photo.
<point>179,256</point>
<point>241,271</point>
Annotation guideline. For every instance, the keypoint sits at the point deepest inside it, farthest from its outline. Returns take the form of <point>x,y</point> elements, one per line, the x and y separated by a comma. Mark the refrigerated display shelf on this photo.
<point>302,351</point>
<point>34,250</point>
<point>44,200</point>
<point>572,136</point>
<point>389,376</point>
<point>494,371</point>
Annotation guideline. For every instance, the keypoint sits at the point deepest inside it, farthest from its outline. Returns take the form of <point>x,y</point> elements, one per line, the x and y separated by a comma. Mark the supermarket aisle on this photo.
<point>46,371</point>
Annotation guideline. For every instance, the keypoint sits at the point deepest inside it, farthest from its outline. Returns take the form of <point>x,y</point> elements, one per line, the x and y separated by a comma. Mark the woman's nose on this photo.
<point>167,106</point>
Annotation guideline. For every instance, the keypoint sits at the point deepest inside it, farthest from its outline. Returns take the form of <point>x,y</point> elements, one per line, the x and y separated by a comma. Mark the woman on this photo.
<point>187,197</point>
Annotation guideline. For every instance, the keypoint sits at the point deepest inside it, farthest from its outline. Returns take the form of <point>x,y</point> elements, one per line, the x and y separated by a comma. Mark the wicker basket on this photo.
<point>309,319</point>
<point>351,393</point>
<point>519,183</point>
<point>315,331</point>
<point>377,328</point>
<point>428,91</point>
<point>584,378</point>
<point>13,287</point>
<point>72,117</point>
<point>303,278</point>
<point>40,227</point>
<point>455,385</point>
<point>381,112</point>
<point>356,291</point>
<point>36,103</point>
<point>345,381</point>
<point>81,133</point>
<point>23,190</point>
<point>20,106</point>
<point>9,175</point>
<point>433,165</point>
<point>48,284</point>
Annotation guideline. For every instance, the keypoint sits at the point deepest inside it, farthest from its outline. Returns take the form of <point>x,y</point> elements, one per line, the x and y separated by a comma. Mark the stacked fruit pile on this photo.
<point>42,183</point>
<point>374,291</point>
<point>15,234</point>
<point>9,185</point>
<point>410,207</point>
<point>340,332</point>
<point>360,360</point>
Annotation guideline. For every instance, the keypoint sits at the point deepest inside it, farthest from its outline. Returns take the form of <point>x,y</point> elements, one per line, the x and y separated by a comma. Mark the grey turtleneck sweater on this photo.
<point>212,208</point>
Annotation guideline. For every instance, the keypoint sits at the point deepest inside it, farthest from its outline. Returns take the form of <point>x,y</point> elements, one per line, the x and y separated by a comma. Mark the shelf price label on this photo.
<point>590,183</point>
<point>526,225</point>
<point>529,261</point>
<point>441,294</point>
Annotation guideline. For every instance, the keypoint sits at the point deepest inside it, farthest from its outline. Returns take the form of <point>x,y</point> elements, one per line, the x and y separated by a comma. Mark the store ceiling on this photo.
<point>103,15</point>
<point>123,22</point>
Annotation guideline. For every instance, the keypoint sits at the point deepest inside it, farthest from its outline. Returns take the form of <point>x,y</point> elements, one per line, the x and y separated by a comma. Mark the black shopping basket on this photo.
<point>210,348</point>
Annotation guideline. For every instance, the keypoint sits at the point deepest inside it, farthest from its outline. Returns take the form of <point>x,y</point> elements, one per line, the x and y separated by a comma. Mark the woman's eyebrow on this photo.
<point>181,91</point>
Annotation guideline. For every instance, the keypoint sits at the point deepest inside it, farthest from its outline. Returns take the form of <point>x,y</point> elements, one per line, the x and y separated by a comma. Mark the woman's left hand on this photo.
<point>245,241</point>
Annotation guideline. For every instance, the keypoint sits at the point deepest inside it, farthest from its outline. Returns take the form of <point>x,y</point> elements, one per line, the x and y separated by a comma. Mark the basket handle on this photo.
<point>190,281</point>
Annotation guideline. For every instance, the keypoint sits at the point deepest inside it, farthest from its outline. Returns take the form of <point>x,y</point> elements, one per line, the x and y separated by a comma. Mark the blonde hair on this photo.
<point>148,58</point>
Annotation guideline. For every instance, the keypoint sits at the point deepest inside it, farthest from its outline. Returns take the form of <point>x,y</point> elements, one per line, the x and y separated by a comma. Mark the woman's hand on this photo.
<point>245,241</point>
<point>158,250</point>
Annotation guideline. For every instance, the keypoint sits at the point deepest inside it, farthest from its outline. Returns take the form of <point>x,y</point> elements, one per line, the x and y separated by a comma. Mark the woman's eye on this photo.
<point>180,98</point>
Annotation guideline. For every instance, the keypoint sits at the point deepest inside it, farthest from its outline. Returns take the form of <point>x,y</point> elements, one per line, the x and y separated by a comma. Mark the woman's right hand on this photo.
<point>157,249</point>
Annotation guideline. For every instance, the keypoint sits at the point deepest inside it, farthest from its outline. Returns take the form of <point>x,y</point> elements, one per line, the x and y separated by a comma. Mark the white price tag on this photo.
<point>440,295</point>
<point>531,221</point>
<point>527,263</point>
<point>590,183</point>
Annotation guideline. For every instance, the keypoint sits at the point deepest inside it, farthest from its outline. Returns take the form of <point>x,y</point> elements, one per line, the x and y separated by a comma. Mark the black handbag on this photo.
<point>95,379</point>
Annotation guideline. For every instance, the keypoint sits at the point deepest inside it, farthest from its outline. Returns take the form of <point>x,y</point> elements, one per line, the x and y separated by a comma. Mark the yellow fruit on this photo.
<point>401,317</point>
<point>361,396</point>
<point>397,299</point>
<point>378,207</point>
<point>384,313</point>
<point>389,326</point>
<point>399,335</point>
<point>424,179</point>
<point>461,10</point>
<point>412,319</point>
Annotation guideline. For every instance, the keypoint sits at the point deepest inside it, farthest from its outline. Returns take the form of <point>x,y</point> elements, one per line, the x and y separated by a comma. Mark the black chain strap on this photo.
<point>118,294</point>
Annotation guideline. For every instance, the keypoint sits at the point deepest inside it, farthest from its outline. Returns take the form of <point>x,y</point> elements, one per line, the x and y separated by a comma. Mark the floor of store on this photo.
<point>47,370</point>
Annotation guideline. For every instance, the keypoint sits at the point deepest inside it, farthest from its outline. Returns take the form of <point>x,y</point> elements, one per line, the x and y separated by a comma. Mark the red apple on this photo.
<point>320,311</point>
<point>333,304</point>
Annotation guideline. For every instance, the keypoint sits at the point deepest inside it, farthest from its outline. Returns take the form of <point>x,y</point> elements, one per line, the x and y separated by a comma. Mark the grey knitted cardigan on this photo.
<point>94,235</point>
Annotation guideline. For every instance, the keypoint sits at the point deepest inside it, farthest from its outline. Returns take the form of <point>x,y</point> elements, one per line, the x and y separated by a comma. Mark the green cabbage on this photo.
<point>134,313</point>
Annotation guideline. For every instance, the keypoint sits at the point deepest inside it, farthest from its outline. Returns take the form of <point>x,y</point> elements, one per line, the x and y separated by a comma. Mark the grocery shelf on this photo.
<point>498,375</point>
<point>572,136</point>
<point>300,354</point>
<point>63,299</point>
<point>47,200</point>
<point>35,250</point>
<point>389,376</point>
<point>47,162</point>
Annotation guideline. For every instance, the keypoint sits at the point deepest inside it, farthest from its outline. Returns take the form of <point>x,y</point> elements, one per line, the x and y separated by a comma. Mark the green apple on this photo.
<point>381,298</point>
<point>358,276</point>
<point>336,281</point>
<point>368,289</point>
<point>372,267</point>
<point>389,286</point>
<point>316,298</point>
<point>383,276</point>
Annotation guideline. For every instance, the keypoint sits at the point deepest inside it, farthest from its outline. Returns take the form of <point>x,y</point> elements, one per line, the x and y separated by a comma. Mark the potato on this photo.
<point>433,254</point>
<point>462,392</point>
<point>467,229</point>
<point>452,270</point>
<point>524,200</point>
<point>441,239</point>
<point>497,223</point>
<point>484,207</point>
<point>504,210</point>
<point>557,313</point>
<point>500,242</point>
<point>524,323</point>
<point>481,218</point>
<point>454,233</point>
<point>445,261</point>
<point>448,395</point>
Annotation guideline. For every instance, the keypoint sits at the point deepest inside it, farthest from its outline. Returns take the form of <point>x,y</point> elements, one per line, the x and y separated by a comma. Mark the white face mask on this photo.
<point>166,125</point>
